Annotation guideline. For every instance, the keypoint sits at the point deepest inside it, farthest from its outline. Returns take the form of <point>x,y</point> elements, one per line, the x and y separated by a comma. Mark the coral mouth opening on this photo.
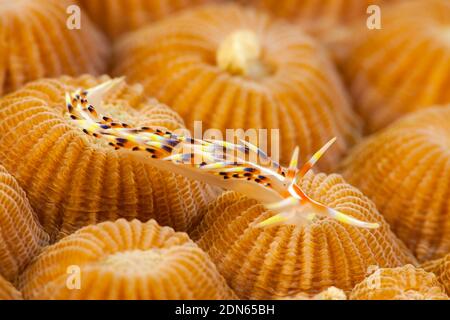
<point>135,261</point>
<point>241,54</point>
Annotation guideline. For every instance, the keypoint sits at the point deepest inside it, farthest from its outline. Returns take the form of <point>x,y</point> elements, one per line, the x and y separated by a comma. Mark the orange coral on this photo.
<point>124,260</point>
<point>7,291</point>
<point>403,283</point>
<point>332,293</point>
<point>405,170</point>
<point>330,21</point>
<point>232,67</point>
<point>120,16</point>
<point>273,262</point>
<point>73,180</point>
<point>441,268</point>
<point>403,66</point>
<point>317,14</point>
<point>21,236</point>
<point>35,42</point>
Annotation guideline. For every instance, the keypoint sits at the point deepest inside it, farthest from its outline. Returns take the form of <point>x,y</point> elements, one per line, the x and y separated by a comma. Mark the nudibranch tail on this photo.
<point>227,165</point>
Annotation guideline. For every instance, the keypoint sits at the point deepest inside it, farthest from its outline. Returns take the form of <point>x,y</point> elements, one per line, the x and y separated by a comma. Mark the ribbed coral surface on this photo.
<point>403,283</point>
<point>272,262</point>
<point>121,16</point>
<point>21,236</point>
<point>332,293</point>
<point>125,260</point>
<point>298,92</point>
<point>441,268</point>
<point>7,291</point>
<point>405,170</point>
<point>36,42</point>
<point>73,180</point>
<point>402,67</point>
<point>317,13</point>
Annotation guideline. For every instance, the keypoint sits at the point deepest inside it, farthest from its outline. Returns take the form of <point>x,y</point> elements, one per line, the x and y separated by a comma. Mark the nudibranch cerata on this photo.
<point>222,163</point>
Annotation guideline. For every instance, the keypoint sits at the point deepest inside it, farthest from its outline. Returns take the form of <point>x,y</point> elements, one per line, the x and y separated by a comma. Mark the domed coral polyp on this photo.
<point>403,283</point>
<point>21,235</point>
<point>332,293</point>
<point>124,260</point>
<point>234,68</point>
<point>318,15</point>
<point>7,291</point>
<point>441,268</point>
<point>35,42</point>
<point>282,261</point>
<point>73,180</point>
<point>120,16</point>
<point>403,66</point>
<point>405,170</point>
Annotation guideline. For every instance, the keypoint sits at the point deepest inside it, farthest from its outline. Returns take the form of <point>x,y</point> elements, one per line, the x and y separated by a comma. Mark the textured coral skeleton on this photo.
<point>219,163</point>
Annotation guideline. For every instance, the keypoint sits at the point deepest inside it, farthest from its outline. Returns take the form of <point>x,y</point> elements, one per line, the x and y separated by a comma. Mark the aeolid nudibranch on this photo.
<point>222,164</point>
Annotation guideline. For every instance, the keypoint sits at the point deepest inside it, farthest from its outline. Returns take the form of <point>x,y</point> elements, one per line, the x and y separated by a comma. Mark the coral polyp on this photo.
<point>124,260</point>
<point>403,67</point>
<point>332,293</point>
<point>121,16</point>
<point>405,170</point>
<point>318,16</point>
<point>236,68</point>
<point>403,283</point>
<point>7,291</point>
<point>36,42</point>
<point>286,260</point>
<point>73,180</point>
<point>21,235</point>
<point>441,268</point>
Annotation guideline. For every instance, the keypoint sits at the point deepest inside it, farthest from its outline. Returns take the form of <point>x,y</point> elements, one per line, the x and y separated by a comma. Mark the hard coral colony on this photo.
<point>107,193</point>
<point>240,71</point>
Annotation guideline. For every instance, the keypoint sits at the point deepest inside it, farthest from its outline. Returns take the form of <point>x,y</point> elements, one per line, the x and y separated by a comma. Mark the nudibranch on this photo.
<point>232,67</point>
<point>36,42</point>
<point>220,163</point>
<point>402,283</point>
<point>21,235</point>
<point>124,260</point>
<point>73,180</point>
<point>402,67</point>
<point>405,170</point>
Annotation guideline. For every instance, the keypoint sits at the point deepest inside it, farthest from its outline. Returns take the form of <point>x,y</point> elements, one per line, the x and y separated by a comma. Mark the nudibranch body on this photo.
<point>220,163</point>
